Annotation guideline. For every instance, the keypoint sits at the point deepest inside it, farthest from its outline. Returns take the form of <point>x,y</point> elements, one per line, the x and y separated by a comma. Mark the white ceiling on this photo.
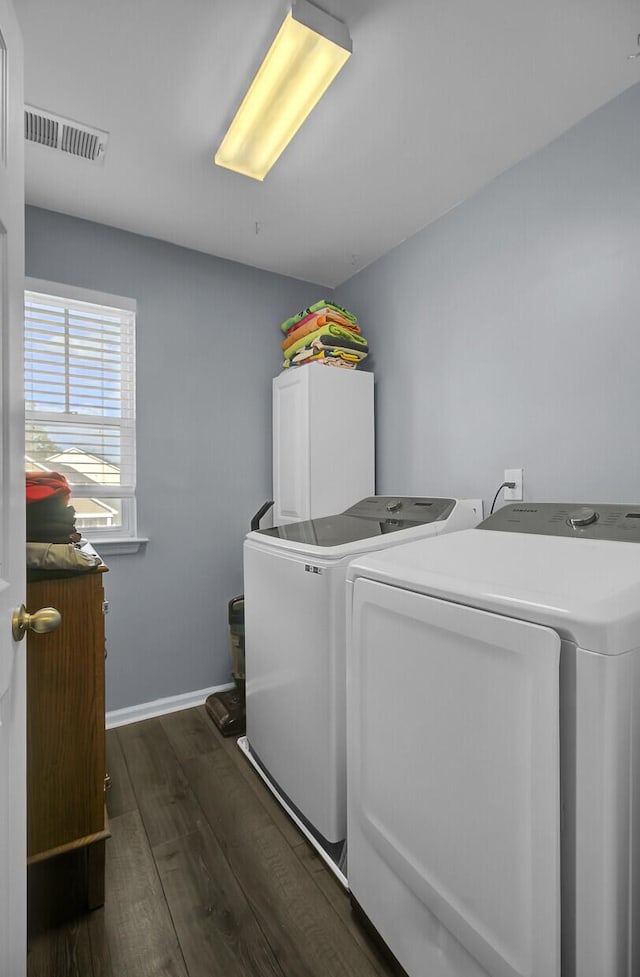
<point>439,97</point>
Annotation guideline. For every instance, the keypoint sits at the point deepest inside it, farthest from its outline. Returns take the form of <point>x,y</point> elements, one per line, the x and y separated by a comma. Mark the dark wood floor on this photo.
<point>206,875</point>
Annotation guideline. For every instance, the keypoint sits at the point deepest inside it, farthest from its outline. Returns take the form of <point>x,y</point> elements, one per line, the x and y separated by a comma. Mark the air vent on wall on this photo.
<point>54,131</point>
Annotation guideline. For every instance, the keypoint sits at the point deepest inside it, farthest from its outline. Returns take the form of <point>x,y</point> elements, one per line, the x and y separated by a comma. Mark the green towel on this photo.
<point>327,341</point>
<point>322,304</point>
<point>329,329</point>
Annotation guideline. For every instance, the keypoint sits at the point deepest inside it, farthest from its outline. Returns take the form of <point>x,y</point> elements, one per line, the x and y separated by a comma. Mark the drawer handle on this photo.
<point>42,621</point>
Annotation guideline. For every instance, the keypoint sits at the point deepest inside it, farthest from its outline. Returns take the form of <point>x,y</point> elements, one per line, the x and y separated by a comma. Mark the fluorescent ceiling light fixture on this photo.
<point>308,52</point>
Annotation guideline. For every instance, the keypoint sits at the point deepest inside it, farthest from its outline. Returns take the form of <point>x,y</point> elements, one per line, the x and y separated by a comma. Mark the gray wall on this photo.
<point>208,344</point>
<point>506,334</point>
<point>503,335</point>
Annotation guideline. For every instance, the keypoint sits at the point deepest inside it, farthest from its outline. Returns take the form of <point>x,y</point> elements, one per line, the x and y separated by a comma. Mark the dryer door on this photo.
<point>453,766</point>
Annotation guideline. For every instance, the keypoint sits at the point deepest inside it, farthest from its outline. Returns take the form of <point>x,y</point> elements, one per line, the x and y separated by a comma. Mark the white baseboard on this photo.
<point>160,707</point>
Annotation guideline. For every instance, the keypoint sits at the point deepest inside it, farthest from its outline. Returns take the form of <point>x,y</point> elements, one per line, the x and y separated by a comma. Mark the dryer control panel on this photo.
<point>620,523</point>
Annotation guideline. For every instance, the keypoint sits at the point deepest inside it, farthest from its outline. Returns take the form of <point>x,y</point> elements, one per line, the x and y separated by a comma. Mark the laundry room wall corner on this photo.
<point>505,332</point>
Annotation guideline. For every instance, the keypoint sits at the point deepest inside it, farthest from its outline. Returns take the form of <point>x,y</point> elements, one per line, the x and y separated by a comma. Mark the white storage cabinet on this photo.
<point>323,441</point>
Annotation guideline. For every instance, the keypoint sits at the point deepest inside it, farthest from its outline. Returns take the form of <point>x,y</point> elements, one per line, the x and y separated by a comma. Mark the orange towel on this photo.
<point>315,322</point>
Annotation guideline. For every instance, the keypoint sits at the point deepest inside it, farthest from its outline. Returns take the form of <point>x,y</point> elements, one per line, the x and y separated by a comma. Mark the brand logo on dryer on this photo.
<point>311,569</point>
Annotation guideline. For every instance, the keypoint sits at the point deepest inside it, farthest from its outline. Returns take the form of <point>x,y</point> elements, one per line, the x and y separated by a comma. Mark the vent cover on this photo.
<point>67,136</point>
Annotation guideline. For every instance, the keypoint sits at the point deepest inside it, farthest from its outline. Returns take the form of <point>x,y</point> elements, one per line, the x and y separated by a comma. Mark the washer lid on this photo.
<point>376,515</point>
<point>587,590</point>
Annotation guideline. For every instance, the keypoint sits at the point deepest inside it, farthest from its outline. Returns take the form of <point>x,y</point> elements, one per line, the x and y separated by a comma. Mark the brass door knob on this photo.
<point>42,621</point>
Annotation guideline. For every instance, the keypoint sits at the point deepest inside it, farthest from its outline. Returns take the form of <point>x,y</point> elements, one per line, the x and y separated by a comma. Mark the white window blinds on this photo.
<point>80,400</point>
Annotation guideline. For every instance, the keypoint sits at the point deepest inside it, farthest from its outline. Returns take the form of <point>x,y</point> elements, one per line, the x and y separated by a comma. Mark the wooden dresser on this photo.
<point>65,726</point>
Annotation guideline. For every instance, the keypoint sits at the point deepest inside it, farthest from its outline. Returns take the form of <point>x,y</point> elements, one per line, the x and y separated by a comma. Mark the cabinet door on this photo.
<point>341,438</point>
<point>323,441</point>
<point>65,715</point>
<point>291,447</point>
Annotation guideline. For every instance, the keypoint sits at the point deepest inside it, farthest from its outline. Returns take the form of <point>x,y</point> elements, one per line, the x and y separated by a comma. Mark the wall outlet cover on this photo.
<point>515,494</point>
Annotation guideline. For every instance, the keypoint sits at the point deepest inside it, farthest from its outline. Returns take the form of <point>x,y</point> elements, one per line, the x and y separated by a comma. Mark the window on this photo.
<point>80,401</point>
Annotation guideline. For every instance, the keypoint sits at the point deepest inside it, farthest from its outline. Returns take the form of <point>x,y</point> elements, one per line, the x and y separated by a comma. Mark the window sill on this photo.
<point>119,547</point>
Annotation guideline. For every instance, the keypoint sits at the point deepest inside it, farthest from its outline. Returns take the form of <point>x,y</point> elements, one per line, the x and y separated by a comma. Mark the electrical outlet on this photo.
<point>515,494</point>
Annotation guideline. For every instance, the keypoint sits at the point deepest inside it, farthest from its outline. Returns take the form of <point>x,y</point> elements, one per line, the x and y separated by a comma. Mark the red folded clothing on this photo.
<point>44,485</point>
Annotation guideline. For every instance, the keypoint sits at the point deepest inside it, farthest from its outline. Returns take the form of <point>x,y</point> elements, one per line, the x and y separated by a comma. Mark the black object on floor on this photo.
<point>227,709</point>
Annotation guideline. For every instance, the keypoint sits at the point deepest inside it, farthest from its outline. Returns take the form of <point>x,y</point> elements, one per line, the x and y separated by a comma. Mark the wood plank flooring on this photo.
<point>206,875</point>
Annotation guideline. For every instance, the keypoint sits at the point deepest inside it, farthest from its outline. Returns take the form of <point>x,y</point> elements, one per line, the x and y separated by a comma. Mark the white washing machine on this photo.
<point>496,829</point>
<point>295,636</point>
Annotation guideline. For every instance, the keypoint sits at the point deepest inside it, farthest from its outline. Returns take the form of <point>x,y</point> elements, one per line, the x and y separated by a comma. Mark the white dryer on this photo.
<point>496,830</point>
<point>295,637</point>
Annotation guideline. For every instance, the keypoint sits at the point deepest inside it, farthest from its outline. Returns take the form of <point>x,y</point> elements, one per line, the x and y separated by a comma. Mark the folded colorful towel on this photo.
<point>331,329</point>
<point>286,325</point>
<point>308,353</point>
<point>313,322</point>
<point>338,361</point>
<point>346,355</point>
<point>329,342</point>
<point>324,359</point>
<point>311,354</point>
<point>331,316</point>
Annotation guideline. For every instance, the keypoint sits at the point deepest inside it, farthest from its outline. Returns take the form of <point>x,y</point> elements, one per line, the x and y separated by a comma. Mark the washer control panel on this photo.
<point>409,509</point>
<point>620,523</point>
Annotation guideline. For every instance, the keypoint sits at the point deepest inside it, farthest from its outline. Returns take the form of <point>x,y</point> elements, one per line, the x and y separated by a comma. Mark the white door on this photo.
<point>12,574</point>
<point>453,784</point>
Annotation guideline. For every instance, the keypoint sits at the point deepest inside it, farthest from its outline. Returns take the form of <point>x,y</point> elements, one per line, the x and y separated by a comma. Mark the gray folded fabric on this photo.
<point>59,556</point>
